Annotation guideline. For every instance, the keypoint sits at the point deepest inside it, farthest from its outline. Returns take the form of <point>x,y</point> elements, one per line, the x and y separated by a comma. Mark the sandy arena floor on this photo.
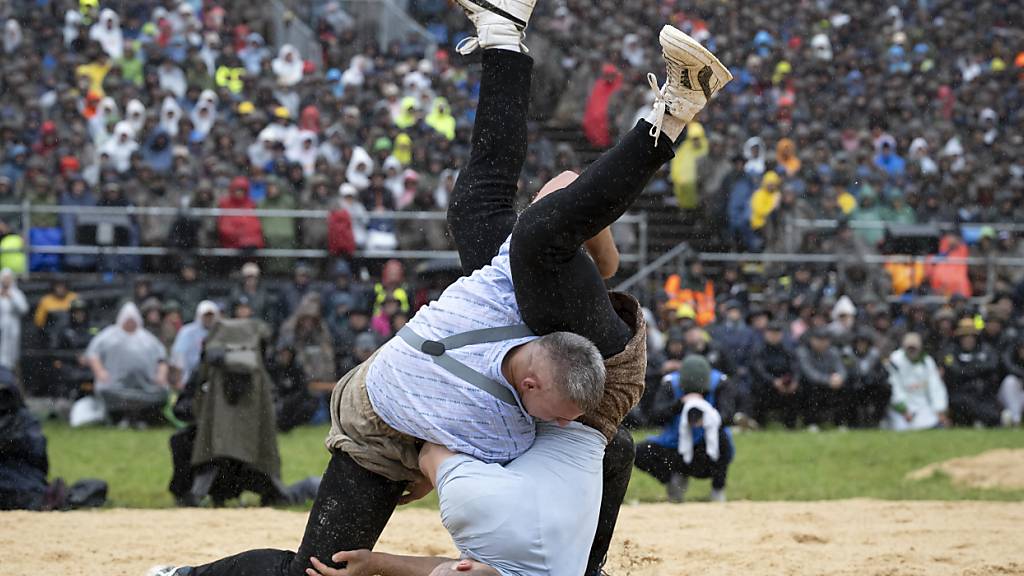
<point>854,537</point>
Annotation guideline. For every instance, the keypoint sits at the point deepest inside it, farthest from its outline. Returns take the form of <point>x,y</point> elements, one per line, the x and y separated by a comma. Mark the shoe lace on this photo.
<point>660,106</point>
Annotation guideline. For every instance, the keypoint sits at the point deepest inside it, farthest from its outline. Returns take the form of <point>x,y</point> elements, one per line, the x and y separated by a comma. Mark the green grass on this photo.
<point>770,465</point>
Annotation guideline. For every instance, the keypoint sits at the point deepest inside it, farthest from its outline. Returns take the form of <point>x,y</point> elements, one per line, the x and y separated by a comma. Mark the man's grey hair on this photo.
<point>577,366</point>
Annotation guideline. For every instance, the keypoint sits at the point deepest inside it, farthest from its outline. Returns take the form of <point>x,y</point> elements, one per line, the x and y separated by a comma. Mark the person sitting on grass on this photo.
<point>919,400</point>
<point>695,442</point>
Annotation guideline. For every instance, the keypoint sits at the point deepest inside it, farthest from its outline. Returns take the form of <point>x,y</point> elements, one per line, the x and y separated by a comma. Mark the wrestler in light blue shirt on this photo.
<point>535,516</point>
<point>414,395</point>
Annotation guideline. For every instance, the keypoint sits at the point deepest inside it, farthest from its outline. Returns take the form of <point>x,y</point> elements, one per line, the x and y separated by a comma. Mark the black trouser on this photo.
<point>558,288</point>
<point>768,399</point>
<point>966,408</point>
<point>824,404</point>
<point>662,462</point>
<point>353,505</point>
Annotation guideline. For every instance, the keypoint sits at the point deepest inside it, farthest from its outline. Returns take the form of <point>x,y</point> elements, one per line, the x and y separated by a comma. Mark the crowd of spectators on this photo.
<point>316,329</point>
<point>185,103</point>
<point>180,104</point>
<point>803,351</point>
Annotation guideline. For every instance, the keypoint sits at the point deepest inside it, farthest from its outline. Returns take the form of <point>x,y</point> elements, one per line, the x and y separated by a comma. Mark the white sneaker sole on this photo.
<point>526,8</point>
<point>681,46</point>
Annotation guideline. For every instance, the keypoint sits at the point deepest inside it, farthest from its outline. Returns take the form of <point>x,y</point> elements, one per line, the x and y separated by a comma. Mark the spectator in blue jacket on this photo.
<point>683,449</point>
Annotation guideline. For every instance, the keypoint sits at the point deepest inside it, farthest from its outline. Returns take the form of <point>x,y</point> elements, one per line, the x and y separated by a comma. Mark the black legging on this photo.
<point>558,287</point>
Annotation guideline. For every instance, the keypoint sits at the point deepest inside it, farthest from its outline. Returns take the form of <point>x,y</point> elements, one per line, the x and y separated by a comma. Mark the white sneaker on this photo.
<point>694,76</point>
<point>167,571</point>
<point>718,495</point>
<point>498,23</point>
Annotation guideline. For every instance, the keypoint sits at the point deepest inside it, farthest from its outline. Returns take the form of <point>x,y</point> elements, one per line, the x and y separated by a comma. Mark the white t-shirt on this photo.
<point>535,516</point>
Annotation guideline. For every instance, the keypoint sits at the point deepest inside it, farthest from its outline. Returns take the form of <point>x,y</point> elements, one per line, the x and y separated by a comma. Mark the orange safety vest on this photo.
<point>905,276</point>
<point>703,303</point>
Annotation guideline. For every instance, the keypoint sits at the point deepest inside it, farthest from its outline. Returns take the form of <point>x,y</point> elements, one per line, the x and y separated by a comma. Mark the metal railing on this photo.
<point>638,256</point>
<point>675,260</point>
<point>386,21</point>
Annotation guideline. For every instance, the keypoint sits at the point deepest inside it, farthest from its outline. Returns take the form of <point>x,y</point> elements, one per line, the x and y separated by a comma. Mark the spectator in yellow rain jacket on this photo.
<point>684,166</point>
<point>441,119</point>
<point>765,200</point>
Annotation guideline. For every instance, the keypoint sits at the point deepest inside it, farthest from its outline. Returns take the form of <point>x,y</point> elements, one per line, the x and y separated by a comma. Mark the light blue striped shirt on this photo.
<point>414,395</point>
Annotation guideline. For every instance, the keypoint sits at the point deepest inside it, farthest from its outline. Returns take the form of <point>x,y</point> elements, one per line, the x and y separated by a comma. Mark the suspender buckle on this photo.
<point>433,348</point>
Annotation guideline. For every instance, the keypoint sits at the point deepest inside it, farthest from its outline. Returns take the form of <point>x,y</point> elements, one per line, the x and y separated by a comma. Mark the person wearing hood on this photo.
<point>763,202</point>
<point>239,231</point>
<point>72,20</point>
<point>888,160</point>
<point>596,119</point>
<point>306,332</point>
<point>132,65</point>
<point>13,306</point>
<point>394,177</point>
<point>441,119</point>
<point>287,67</point>
<point>172,78</point>
<point>106,116</point>
<point>844,318</point>
<point>868,210</point>
<point>187,349</point>
<point>684,167</point>
<point>360,167</point>
<point>360,218</point>
<point>786,157</point>
<point>203,117</point>
<point>303,151</point>
<point>121,146</point>
<point>753,151</point>
<point>135,115</point>
<point>254,53</point>
<point>170,116</point>
<point>130,368</point>
<point>919,400</point>
<point>107,32</point>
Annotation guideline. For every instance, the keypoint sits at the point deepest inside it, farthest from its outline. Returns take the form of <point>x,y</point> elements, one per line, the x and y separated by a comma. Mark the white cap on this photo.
<point>347,189</point>
<point>250,269</point>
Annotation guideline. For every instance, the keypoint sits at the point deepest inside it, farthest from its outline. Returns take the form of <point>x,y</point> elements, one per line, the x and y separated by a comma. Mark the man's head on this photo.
<point>562,377</point>
<point>207,312</point>
<point>774,333</point>
<point>913,347</point>
<point>820,340</point>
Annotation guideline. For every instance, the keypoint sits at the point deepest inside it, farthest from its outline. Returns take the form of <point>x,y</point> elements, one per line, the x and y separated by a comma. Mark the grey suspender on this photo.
<point>437,349</point>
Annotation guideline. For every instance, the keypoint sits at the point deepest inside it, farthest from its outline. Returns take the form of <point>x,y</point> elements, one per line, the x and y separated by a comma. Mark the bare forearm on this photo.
<point>604,253</point>
<point>395,565</point>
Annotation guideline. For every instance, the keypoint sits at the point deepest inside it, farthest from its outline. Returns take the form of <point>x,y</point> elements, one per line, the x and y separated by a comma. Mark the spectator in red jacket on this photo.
<point>241,231</point>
